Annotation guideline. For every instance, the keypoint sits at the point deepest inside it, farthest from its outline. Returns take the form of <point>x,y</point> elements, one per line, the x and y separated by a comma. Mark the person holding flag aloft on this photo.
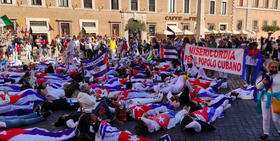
<point>253,61</point>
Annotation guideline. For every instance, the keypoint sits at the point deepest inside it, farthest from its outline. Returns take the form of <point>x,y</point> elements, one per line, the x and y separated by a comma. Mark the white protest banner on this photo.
<point>223,60</point>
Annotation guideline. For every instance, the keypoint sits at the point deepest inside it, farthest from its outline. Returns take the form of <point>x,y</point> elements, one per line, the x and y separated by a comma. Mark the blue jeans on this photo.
<point>103,104</point>
<point>250,74</point>
<point>17,121</point>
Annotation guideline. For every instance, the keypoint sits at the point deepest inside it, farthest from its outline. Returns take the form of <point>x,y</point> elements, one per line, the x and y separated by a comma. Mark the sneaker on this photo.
<point>263,137</point>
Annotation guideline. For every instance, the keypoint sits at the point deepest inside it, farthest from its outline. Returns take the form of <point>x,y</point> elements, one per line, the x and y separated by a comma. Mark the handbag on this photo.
<point>275,104</point>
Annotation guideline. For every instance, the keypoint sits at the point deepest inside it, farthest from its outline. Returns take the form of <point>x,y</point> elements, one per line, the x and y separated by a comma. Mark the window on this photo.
<point>64,29</point>
<point>265,23</point>
<point>63,3</point>
<point>186,26</point>
<point>256,3</point>
<point>223,27</point>
<point>275,4</point>
<point>115,29</point>
<point>6,1</point>
<point>211,26</point>
<point>239,24</point>
<point>152,30</point>
<point>152,5</point>
<point>266,3</point>
<point>115,4</point>
<point>212,7</point>
<point>274,23</point>
<point>134,5</point>
<point>240,2</point>
<point>36,2</point>
<point>87,3</point>
<point>255,25</point>
<point>224,8</point>
<point>171,6</point>
<point>186,6</point>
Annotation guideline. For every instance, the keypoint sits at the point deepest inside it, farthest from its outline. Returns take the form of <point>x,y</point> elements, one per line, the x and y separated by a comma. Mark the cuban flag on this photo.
<point>257,54</point>
<point>36,134</point>
<point>198,82</point>
<point>98,66</point>
<point>168,53</point>
<point>106,132</point>
<point>10,87</point>
<point>162,120</point>
<point>138,110</point>
<point>23,101</point>
<point>25,96</point>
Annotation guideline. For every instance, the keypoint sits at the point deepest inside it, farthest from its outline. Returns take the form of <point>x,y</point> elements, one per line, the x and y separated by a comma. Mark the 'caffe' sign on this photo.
<point>179,18</point>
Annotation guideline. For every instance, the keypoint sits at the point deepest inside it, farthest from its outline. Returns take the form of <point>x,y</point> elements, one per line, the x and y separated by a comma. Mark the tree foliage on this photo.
<point>270,29</point>
<point>135,26</point>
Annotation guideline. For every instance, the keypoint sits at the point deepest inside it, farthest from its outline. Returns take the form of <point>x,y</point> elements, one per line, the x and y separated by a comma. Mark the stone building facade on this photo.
<point>109,17</point>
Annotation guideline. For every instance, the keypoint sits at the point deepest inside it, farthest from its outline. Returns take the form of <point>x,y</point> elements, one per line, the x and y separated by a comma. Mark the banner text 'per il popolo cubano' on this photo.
<point>223,60</point>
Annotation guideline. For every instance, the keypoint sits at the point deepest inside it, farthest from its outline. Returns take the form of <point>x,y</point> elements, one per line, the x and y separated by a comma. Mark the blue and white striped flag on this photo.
<point>98,65</point>
<point>169,53</point>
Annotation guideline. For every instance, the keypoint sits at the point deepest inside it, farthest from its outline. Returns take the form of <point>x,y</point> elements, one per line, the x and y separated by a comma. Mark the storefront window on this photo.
<point>152,30</point>
<point>64,29</point>
<point>223,27</point>
<point>116,29</point>
<point>186,26</point>
<point>255,24</point>
<point>239,25</point>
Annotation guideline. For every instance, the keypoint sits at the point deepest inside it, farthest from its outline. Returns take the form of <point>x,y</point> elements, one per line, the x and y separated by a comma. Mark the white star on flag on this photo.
<point>138,108</point>
<point>134,138</point>
<point>161,119</point>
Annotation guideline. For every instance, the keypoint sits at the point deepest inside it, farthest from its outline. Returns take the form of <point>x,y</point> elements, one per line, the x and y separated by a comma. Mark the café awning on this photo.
<point>229,32</point>
<point>166,32</point>
<point>187,32</point>
<point>206,31</point>
<point>214,32</point>
<point>222,31</point>
<point>90,29</point>
<point>244,32</point>
<point>235,32</point>
<point>175,29</point>
<point>39,29</point>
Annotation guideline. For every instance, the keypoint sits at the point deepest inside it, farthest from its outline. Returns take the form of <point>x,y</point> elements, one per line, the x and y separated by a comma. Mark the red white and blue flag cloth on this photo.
<point>106,132</point>
<point>36,134</point>
<point>97,66</point>
<point>23,101</point>
<point>168,53</point>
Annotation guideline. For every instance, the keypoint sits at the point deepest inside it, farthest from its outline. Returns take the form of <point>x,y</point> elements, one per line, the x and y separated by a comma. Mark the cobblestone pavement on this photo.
<point>241,123</point>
